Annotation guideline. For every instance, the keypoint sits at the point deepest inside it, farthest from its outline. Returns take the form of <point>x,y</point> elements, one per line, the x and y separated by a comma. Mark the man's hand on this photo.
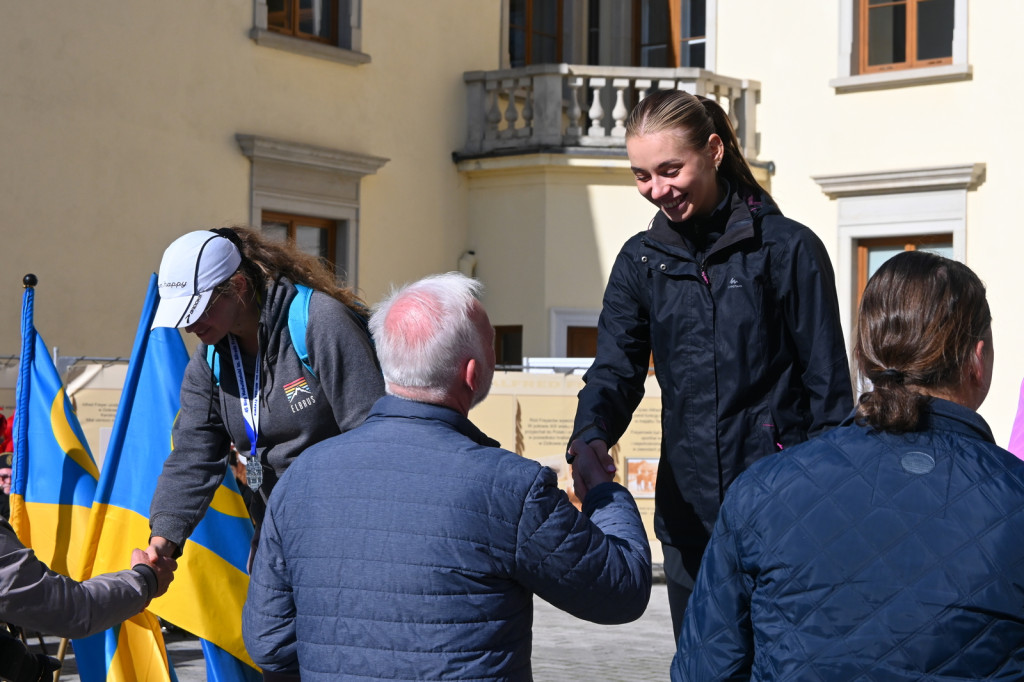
<point>163,567</point>
<point>598,446</point>
<point>161,547</point>
<point>591,466</point>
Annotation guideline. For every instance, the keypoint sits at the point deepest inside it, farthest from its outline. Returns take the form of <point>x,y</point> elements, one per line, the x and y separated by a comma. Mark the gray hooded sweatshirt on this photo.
<point>297,408</point>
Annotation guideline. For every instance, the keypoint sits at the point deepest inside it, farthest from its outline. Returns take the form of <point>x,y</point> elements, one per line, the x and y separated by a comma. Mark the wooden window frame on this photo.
<point>529,32</point>
<point>911,62</point>
<point>676,39</point>
<point>291,28</point>
<point>908,242</point>
<point>293,220</point>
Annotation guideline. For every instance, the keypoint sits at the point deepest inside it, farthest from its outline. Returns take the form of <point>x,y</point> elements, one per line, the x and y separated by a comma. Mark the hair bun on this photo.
<point>893,375</point>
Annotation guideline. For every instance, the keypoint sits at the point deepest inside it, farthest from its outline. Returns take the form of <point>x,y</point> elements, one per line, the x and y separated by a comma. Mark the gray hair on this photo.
<point>424,330</point>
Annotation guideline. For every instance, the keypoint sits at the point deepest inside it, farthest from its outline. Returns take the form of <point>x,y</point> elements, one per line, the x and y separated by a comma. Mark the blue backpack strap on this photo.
<point>298,318</point>
<point>213,360</point>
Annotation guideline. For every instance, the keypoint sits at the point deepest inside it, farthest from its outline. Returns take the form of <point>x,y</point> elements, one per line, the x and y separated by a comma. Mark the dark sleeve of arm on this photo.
<point>36,598</point>
<point>198,460</point>
<point>595,565</point>
<point>268,617</point>
<point>807,289</point>
<point>615,382</point>
<point>342,355</point>
<point>716,642</point>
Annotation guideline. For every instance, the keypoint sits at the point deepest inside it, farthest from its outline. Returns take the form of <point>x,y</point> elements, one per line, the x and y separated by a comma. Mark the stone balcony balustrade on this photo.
<point>547,107</point>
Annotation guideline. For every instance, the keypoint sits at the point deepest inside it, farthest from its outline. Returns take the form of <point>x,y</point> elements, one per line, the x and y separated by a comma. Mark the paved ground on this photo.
<point>565,649</point>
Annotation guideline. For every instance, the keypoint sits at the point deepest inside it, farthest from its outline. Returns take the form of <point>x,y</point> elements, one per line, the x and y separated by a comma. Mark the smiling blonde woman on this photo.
<point>738,306</point>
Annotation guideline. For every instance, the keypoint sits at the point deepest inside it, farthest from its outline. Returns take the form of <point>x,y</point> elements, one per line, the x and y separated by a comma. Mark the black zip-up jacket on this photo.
<point>748,350</point>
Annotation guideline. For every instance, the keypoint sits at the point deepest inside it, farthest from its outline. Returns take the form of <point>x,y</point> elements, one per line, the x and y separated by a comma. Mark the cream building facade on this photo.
<point>405,134</point>
<point>126,125</point>
<point>879,124</point>
<point>876,158</point>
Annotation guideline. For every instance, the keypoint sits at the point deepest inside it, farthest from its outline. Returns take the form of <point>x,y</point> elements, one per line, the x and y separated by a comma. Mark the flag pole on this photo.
<point>28,344</point>
<point>21,402</point>
<point>62,650</point>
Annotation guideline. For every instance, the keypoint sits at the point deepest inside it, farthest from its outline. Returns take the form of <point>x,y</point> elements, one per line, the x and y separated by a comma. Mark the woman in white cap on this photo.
<point>285,362</point>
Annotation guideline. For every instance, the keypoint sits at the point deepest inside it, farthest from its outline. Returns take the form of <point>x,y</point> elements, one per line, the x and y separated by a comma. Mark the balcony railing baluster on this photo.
<point>508,87</point>
<point>574,130</point>
<point>526,86</point>
<point>549,106</point>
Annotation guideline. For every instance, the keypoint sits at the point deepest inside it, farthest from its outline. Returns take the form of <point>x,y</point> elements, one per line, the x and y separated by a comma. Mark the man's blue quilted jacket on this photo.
<point>867,556</point>
<point>411,548</point>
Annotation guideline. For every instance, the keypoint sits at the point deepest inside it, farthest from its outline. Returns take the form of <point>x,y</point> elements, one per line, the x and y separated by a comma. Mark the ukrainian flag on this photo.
<point>54,486</point>
<point>54,471</point>
<point>210,584</point>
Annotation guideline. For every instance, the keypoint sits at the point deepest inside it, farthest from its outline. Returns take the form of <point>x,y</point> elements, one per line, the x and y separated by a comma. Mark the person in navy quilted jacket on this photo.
<point>891,548</point>
<point>411,546</point>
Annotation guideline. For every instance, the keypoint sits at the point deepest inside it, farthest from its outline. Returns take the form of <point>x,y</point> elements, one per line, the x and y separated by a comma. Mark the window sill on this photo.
<point>308,47</point>
<point>903,78</point>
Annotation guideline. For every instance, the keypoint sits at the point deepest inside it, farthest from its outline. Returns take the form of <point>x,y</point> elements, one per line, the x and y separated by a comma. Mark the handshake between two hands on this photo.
<point>591,465</point>
<point>163,567</point>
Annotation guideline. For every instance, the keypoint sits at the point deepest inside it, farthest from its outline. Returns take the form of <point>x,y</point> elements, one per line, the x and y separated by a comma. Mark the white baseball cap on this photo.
<point>192,266</point>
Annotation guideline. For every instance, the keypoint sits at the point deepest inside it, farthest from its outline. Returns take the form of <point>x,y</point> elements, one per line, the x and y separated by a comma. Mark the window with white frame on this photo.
<point>570,328</point>
<point>873,251</point>
<point>891,43</point>
<point>329,29</point>
<point>309,195</point>
<point>882,213</point>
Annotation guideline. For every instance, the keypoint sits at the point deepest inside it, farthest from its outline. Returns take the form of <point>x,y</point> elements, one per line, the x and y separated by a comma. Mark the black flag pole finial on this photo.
<point>30,280</point>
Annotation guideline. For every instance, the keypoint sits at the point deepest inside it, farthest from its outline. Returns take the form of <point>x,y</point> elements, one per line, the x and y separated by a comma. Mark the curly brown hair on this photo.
<point>266,260</point>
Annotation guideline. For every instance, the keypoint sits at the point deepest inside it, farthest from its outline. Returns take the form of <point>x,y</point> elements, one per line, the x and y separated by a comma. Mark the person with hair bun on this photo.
<point>922,321</point>
<point>889,548</point>
<point>245,296</point>
<point>736,305</point>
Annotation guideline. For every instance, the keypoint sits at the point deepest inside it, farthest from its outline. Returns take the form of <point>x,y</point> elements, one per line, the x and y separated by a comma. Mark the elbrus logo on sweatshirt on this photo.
<point>294,392</point>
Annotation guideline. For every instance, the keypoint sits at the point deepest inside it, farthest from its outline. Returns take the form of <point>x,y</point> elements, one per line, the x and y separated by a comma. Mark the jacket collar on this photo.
<point>944,415</point>
<point>391,406</point>
<point>744,211</point>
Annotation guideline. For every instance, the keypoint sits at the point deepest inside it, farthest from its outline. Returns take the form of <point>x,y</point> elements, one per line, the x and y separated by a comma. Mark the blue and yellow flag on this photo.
<point>210,584</point>
<point>54,473</point>
<point>55,483</point>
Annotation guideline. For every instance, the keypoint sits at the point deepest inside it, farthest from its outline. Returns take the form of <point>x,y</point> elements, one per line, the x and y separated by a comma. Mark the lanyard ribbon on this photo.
<point>250,412</point>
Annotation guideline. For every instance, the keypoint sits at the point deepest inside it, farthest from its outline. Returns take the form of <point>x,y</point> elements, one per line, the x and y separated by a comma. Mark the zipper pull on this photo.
<point>704,274</point>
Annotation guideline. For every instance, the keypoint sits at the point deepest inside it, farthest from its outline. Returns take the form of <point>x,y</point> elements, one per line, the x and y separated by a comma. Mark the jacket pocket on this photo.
<point>767,435</point>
